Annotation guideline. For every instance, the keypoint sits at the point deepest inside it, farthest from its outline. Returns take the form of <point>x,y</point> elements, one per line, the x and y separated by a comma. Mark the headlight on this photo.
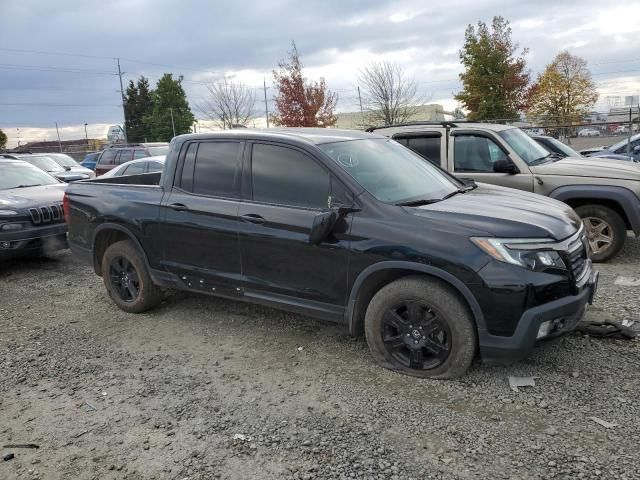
<point>8,213</point>
<point>530,254</point>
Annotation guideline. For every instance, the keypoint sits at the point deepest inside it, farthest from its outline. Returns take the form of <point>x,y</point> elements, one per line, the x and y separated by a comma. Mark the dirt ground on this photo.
<point>209,388</point>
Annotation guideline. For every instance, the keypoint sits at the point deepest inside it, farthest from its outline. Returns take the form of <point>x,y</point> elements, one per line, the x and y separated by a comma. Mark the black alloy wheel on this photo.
<point>124,279</point>
<point>415,335</point>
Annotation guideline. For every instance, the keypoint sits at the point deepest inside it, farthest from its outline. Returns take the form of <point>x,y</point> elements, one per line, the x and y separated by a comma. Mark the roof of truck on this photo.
<point>420,126</point>
<point>313,135</point>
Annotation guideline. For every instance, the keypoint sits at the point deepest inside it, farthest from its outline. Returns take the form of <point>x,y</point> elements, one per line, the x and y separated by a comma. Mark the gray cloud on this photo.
<point>190,38</point>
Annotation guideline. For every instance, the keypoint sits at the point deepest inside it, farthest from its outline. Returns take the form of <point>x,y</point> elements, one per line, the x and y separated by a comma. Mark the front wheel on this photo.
<point>420,327</point>
<point>127,280</point>
<point>605,229</point>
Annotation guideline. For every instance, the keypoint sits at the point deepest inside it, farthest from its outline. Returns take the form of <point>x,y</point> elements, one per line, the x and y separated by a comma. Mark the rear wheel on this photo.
<point>127,280</point>
<point>605,229</point>
<point>420,327</point>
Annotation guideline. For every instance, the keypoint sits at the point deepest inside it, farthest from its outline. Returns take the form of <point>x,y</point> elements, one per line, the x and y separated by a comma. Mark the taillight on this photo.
<point>65,208</point>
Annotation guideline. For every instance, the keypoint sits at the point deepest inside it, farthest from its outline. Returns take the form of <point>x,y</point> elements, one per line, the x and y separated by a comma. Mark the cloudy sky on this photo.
<point>42,83</point>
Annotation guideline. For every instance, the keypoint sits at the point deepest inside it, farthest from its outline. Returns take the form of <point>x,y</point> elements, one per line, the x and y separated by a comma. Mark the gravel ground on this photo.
<point>209,388</point>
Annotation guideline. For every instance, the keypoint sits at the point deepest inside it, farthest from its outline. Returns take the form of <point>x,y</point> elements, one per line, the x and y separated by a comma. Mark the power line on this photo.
<point>41,68</point>
<point>41,52</point>
<point>55,105</point>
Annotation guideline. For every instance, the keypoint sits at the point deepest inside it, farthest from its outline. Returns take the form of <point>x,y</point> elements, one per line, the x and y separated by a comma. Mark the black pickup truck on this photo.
<point>346,226</point>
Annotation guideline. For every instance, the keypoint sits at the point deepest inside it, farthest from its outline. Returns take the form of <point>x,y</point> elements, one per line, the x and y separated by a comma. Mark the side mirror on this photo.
<point>322,225</point>
<point>636,149</point>
<point>67,169</point>
<point>505,166</point>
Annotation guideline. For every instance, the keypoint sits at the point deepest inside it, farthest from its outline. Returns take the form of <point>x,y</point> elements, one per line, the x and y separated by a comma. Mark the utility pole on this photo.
<point>173,126</point>
<point>59,142</point>
<point>361,111</point>
<point>18,129</point>
<point>124,112</point>
<point>86,137</point>
<point>630,129</point>
<point>266,108</point>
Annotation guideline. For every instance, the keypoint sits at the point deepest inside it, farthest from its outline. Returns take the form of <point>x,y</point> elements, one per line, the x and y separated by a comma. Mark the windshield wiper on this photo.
<point>417,203</point>
<point>27,186</point>
<point>553,156</point>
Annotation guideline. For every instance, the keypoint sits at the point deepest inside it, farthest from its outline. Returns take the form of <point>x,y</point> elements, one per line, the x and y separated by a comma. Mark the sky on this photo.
<point>58,59</point>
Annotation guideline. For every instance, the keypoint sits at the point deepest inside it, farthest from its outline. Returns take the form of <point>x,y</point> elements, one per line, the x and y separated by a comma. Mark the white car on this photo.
<point>137,167</point>
<point>589,132</point>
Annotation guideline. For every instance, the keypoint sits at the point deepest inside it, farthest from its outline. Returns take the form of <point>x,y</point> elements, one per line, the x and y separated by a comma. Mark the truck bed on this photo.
<point>142,179</point>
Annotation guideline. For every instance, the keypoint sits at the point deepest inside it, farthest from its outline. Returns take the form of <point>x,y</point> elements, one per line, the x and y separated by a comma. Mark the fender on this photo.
<point>127,232</point>
<point>448,278</point>
<point>623,196</point>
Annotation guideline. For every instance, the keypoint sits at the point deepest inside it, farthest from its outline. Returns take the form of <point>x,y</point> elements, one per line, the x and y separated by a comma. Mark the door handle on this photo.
<point>178,206</point>
<point>253,218</point>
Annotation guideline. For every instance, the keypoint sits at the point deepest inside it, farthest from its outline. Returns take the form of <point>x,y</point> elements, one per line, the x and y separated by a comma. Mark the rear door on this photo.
<point>106,161</point>
<point>284,189</point>
<point>473,154</point>
<point>200,230</point>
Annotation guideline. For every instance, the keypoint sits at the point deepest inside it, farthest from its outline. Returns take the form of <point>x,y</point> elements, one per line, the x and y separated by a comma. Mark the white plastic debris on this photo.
<point>515,382</point>
<point>604,423</point>
<point>627,323</point>
<point>242,437</point>
<point>104,394</point>
<point>300,349</point>
<point>627,281</point>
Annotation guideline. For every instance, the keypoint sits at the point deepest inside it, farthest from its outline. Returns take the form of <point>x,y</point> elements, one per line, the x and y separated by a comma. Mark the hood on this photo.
<point>505,213</point>
<point>23,198</point>
<point>590,167</point>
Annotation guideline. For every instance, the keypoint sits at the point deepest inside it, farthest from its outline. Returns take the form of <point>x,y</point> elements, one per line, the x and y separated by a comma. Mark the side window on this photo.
<point>427,146</point>
<point>286,176</point>
<point>474,153</point>
<point>217,169</point>
<point>155,166</point>
<point>108,157</point>
<point>186,179</point>
<point>139,154</point>
<point>125,156</point>
<point>134,169</point>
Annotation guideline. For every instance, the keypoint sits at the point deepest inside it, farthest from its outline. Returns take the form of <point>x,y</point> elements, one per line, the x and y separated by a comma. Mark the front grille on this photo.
<point>47,214</point>
<point>577,257</point>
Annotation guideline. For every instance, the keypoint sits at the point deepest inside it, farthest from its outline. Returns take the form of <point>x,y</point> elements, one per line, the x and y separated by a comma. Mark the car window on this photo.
<point>139,154</point>
<point>217,169</point>
<point>108,157</point>
<point>125,156</point>
<point>134,169</point>
<point>427,146</point>
<point>155,166</point>
<point>473,153</point>
<point>186,178</point>
<point>285,176</point>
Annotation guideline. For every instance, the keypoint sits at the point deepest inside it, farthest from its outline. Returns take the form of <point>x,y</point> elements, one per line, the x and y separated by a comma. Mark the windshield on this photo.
<point>562,148</point>
<point>153,151</point>
<point>13,175</point>
<point>389,171</point>
<point>526,148</point>
<point>623,143</point>
<point>63,160</point>
<point>45,163</point>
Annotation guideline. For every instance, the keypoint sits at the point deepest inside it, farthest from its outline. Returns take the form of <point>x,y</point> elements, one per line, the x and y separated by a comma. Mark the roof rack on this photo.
<point>443,123</point>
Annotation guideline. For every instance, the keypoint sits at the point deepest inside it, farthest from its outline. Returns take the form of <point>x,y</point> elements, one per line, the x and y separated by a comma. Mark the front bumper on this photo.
<point>34,240</point>
<point>564,314</point>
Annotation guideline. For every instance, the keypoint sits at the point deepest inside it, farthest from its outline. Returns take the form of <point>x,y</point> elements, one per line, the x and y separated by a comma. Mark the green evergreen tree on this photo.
<point>170,99</point>
<point>138,108</point>
<point>3,140</point>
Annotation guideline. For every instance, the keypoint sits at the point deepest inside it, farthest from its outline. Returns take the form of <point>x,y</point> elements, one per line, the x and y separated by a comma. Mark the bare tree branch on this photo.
<point>228,103</point>
<point>389,96</point>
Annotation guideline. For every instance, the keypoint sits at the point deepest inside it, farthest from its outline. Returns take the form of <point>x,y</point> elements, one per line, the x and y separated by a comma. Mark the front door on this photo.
<point>200,230</point>
<point>474,156</point>
<point>285,189</point>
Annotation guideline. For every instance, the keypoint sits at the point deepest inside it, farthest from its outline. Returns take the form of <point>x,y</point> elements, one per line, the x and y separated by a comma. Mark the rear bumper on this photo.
<point>25,242</point>
<point>564,315</point>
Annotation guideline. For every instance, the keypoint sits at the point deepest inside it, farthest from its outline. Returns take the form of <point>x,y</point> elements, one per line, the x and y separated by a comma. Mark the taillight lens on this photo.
<point>65,208</point>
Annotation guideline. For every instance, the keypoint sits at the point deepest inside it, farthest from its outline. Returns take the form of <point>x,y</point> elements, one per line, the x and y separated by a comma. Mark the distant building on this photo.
<point>631,100</point>
<point>355,120</point>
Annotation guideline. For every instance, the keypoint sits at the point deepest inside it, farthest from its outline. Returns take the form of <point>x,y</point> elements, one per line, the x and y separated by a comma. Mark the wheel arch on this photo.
<point>620,199</point>
<point>107,234</point>
<point>376,276</point>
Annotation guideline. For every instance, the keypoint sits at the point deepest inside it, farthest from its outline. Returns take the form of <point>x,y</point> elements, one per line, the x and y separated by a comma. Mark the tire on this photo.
<point>127,280</point>
<point>606,231</point>
<point>444,320</point>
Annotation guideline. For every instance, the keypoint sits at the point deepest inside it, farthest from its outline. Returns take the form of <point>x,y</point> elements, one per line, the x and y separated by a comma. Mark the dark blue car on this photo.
<point>90,160</point>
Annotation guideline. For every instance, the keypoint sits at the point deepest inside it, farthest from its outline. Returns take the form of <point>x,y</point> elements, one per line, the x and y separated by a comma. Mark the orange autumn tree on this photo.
<point>301,102</point>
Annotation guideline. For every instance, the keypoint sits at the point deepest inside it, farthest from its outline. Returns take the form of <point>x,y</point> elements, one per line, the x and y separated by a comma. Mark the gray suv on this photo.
<point>605,193</point>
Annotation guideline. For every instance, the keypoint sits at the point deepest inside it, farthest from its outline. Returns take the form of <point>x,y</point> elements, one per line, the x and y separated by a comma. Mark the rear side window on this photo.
<point>425,146</point>
<point>186,179</point>
<point>155,166</point>
<point>139,154</point>
<point>286,176</point>
<point>125,156</point>
<point>217,169</point>
<point>108,157</point>
<point>134,169</point>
